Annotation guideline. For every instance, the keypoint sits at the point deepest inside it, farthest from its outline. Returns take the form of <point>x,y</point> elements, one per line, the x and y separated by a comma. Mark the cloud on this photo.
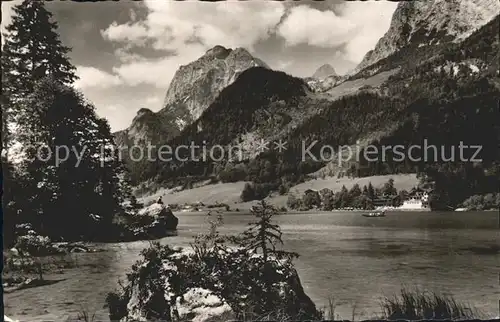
<point>281,65</point>
<point>92,77</point>
<point>188,29</point>
<point>156,72</point>
<point>125,55</point>
<point>135,33</point>
<point>118,115</point>
<point>153,100</point>
<point>229,24</point>
<point>306,25</point>
<point>356,25</point>
<point>372,19</point>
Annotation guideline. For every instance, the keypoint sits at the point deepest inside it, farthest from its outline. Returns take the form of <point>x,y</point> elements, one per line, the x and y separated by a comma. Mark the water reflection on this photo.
<point>356,260</point>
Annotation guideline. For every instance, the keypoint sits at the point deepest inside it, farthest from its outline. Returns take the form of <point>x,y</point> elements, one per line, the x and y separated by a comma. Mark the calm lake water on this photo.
<point>354,259</point>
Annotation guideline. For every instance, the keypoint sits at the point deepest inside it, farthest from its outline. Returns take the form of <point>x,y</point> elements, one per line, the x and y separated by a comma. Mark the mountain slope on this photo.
<point>146,127</point>
<point>193,88</point>
<point>428,23</point>
<point>443,98</point>
<point>444,93</point>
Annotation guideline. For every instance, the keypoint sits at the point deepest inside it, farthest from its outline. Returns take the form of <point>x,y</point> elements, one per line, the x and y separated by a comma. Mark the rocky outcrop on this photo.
<point>201,305</point>
<point>154,221</point>
<point>424,23</point>
<point>210,285</point>
<point>147,127</point>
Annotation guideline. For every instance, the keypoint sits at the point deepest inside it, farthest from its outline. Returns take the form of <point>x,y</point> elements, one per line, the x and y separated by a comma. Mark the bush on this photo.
<point>29,242</point>
<point>311,199</point>
<point>219,281</point>
<point>256,191</point>
<point>293,202</point>
<point>482,202</point>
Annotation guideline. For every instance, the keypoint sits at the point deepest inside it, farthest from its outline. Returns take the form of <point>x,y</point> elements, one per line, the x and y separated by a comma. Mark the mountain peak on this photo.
<point>218,51</point>
<point>144,110</point>
<point>196,85</point>
<point>423,23</point>
<point>324,71</point>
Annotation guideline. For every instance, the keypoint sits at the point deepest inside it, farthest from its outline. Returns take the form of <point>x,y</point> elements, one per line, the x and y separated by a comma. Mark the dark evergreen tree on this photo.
<point>33,50</point>
<point>371,191</point>
<point>74,196</point>
<point>248,193</point>
<point>355,192</point>
<point>262,237</point>
<point>342,198</point>
<point>389,188</point>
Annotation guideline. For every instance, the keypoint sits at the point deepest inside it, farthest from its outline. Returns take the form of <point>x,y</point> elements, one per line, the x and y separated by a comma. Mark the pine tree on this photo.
<point>342,198</point>
<point>33,50</point>
<point>365,191</point>
<point>371,191</point>
<point>83,192</point>
<point>389,188</point>
<point>355,191</point>
<point>67,198</point>
<point>263,236</point>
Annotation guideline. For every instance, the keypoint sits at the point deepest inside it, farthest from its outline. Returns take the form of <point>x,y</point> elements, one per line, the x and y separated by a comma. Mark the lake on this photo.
<point>353,259</point>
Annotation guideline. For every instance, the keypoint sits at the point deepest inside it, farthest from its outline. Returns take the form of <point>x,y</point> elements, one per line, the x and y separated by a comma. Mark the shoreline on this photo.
<point>335,211</point>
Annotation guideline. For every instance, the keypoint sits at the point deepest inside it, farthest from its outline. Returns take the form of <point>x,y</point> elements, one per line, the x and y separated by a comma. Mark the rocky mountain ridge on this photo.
<point>425,23</point>
<point>193,88</point>
<point>269,105</point>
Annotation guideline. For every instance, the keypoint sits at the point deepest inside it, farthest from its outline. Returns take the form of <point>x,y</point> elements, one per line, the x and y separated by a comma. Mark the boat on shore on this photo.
<point>375,214</point>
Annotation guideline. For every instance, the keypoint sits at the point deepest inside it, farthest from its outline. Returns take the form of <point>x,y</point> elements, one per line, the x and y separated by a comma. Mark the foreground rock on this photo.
<point>155,221</point>
<point>209,285</point>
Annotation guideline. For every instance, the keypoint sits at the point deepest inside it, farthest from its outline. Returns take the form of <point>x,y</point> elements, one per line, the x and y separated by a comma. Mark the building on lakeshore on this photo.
<point>417,199</point>
<point>386,200</point>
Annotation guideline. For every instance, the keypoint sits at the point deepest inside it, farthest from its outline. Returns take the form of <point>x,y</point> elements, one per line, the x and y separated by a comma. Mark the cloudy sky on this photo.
<point>127,52</point>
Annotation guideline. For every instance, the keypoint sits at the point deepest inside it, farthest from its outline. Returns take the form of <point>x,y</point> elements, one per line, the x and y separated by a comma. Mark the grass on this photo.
<point>227,193</point>
<point>83,316</point>
<point>419,305</point>
<point>410,305</point>
<point>329,311</point>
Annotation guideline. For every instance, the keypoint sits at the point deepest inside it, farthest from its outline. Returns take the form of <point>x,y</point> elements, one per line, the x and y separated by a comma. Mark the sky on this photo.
<point>127,52</point>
